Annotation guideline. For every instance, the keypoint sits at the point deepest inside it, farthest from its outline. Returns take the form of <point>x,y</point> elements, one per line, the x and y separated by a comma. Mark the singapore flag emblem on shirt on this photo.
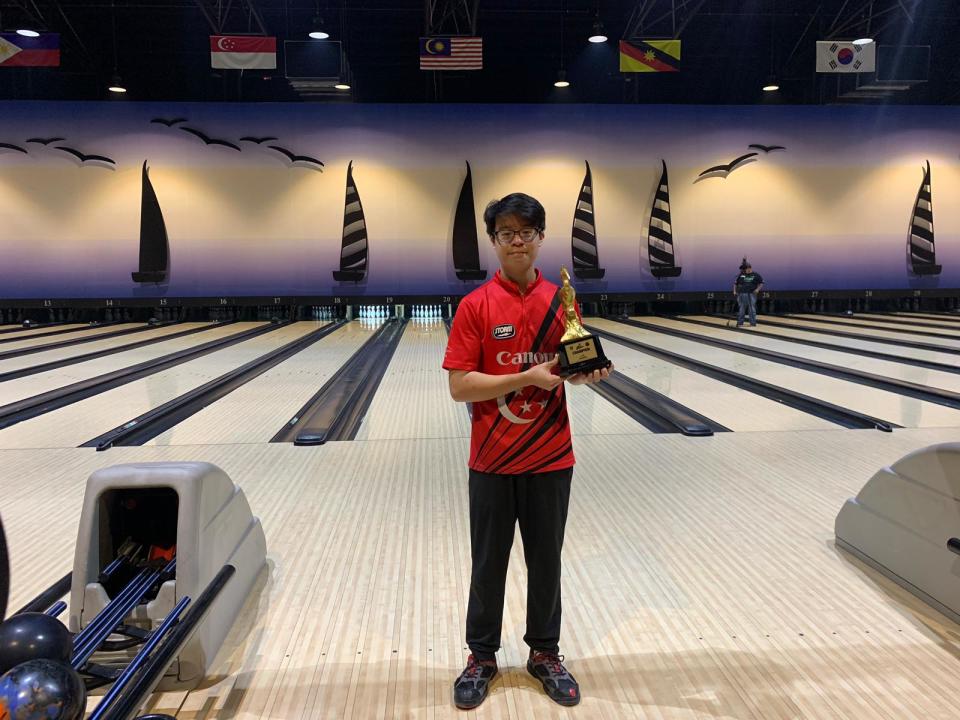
<point>243,52</point>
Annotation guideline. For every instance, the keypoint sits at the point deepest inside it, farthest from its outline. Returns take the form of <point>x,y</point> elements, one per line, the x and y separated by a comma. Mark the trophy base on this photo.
<point>581,355</point>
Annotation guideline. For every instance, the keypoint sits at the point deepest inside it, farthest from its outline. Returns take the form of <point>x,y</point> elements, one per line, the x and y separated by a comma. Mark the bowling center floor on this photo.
<point>702,578</point>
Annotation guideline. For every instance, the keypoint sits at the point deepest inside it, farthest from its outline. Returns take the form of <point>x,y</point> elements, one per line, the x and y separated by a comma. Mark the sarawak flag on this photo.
<point>19,51</point>
<point>451,53</point>
<point>650,56</point>
<point>243,52</point>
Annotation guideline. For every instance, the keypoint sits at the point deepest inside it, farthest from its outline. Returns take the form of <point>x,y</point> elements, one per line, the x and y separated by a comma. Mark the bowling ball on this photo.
<point>42,690</point>
<point>33,636</point>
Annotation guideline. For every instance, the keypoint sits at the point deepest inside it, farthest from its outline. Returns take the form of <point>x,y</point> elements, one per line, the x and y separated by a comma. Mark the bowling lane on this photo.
<point>785,333</point>
<point>737,409</point>
<point>26,361</point>
<point>866,333</point>
<point>255,411</point>
<point>413,400</point>
<point>880,404</point>
<point>872,322</point>
<point>921,322</point>
<point>25,387</point>
<point>74,424</point>
<point>21,332</point>
<point>952,317</point>
<point>591,414</point>
<point>886,368</point>
<point>69,337</point>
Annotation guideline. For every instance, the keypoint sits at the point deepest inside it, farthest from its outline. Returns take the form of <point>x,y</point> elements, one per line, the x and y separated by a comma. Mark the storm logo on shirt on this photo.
<point>503,332</point>
<point>521,408</point>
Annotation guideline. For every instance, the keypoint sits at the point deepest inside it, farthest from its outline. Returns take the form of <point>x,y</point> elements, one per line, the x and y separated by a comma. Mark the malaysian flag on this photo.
<point>451,53</point>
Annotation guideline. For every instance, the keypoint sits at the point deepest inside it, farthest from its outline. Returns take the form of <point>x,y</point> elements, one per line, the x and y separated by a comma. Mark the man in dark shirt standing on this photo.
<point>746,287</point>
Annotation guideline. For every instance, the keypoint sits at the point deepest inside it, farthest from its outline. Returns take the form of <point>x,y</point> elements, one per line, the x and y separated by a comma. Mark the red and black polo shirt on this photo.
<point>498,330</point>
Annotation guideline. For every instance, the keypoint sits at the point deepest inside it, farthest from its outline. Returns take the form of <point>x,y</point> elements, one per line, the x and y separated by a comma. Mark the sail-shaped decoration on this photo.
<point>154,251</point>
<point>466,254</point>
<point>353,247</point>
<point>660,249</point>
<point>920,248</point>
<point>586,263</point>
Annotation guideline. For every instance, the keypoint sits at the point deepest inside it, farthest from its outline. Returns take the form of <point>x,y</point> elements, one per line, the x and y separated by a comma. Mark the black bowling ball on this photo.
<point>42,690</point>
<point>32,636</point>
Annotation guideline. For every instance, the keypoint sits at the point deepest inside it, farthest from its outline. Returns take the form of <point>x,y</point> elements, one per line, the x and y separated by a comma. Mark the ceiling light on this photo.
<point>863,41</point>
<point>116,85</point>
<point>598,36</point>
<point>771,87</point>
<point>562,81</point>
<point>342,86</point>
<point>28,33</point>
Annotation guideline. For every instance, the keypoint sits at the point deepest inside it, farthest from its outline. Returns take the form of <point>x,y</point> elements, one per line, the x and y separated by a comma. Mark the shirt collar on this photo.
<point>512,287</point>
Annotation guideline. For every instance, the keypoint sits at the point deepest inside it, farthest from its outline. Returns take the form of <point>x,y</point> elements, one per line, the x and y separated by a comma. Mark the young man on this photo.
<point>501,358</point>
<point>746,287</point>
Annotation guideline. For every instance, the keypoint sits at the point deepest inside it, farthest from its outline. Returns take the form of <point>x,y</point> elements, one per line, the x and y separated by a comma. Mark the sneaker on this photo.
<point>470,689</point>
<point>557,683</point>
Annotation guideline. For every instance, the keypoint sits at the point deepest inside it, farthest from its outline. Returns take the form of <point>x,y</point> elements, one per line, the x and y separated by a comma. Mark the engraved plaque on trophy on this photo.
<point>579,350</point>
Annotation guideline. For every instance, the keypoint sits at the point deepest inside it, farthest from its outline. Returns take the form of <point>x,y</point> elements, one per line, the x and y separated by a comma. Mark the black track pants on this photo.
<point>497,502</point>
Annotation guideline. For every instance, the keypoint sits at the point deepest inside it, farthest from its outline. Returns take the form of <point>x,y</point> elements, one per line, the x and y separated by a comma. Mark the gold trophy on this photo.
<point>579,350</point>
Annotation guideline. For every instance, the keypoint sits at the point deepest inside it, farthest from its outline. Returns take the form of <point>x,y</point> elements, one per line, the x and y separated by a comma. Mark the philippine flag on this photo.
<point>243,52</point>
<point>19,51</point>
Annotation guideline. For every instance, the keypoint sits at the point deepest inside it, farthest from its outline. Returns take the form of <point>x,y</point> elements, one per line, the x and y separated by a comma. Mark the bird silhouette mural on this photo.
<point>84,158</point>
<point>721,171</point>
<point>207,140</point>
<point>44,141</point>
<point>766,148</point>
<point>299,160</point>
<point>169,122</point>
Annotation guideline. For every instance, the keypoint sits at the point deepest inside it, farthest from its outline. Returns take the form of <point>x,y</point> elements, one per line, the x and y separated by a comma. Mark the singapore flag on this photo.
<point>242,52</point>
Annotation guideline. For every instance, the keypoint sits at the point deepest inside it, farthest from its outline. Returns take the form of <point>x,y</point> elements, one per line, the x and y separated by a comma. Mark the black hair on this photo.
<point>523,206</point>
<point>745,264</point>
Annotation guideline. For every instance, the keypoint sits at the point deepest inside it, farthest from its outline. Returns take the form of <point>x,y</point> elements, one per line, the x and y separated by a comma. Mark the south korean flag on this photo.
<point>846,57</point>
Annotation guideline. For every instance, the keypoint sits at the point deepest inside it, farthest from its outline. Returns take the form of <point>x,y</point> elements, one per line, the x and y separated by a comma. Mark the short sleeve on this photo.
<point>464,346</point>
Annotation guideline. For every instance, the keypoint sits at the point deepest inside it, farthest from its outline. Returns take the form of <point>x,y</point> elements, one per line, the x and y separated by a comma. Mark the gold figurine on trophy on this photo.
<point>579,351</point>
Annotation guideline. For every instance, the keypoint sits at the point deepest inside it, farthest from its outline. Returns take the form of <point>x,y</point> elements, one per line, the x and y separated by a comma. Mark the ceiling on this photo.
<point>730,49</point>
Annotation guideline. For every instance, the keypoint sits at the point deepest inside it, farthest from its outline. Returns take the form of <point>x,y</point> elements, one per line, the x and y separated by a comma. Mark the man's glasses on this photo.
<point>505,237</point>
